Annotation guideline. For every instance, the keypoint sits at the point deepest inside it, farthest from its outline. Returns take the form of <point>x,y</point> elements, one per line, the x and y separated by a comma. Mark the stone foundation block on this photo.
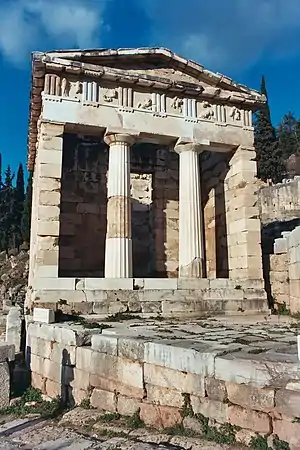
<point>112,284</point>
<point>250,397</point>
<point>105,344</point>
<point>280,245</point>
<point>288,432</point>
<point>249,419</point>
<point>191,283</point>
<point>183,359</point>
<point>53,284</point>
<point>127,406</point>
<point>163,396</point>
<point>53,389</point>
<point>210,408</point>
<point>160,416</point>
<point>160,283</point>
<point>288,403</point>
<point>113,386</point>
<point>216,389</point>
<point>39,347</point>
<point>77,396</point>
<point>104,400</point>
<point>62,354</point>
<point>38,382</point>
<point>175,380</point>
<point>81,379</point>
<point>131,349</point>
<point>4,385</point>
<point>7,352</point>
<point>120,370</point>
<point>245,437</point>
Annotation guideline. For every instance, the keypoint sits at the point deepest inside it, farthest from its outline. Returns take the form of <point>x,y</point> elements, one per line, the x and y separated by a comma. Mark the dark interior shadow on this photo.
<point>144,249</point>
<point>214,169</point>
<point>67,376</point>
<point>166,211</point>
<point>83,206</point>
<point>222,256</point>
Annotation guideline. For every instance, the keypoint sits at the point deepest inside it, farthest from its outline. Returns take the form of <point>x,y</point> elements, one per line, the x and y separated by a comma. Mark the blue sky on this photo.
<point>240,38</point>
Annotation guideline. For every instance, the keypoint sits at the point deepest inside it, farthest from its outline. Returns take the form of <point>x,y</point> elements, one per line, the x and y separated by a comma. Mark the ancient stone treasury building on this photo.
<point>144,196</point>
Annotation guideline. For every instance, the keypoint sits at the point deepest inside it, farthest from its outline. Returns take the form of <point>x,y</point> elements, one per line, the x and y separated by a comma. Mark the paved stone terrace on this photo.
<point>250,334</point>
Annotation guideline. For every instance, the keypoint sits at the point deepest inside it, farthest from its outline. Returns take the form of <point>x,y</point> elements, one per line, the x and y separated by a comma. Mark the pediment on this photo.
<point>154,63</point>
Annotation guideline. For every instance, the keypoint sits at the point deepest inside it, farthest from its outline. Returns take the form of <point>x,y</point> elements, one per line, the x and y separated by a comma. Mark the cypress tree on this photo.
<point>7,208</point>
<point>18,207</point>
<point>269,155</point>
<point>289,135</point>
<point>26,217</point>
<point>0,170</point>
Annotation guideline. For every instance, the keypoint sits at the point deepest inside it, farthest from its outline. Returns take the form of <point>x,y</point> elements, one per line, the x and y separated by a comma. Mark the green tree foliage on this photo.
<point>289,135</point>
<point>26,217</point>
<point>270,164</point>
<point>15,208</point>
<point>7,210</point>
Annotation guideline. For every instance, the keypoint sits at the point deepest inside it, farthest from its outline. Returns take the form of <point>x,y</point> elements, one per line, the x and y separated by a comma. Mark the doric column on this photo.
<point>191,254</point>
<point>118,246</point>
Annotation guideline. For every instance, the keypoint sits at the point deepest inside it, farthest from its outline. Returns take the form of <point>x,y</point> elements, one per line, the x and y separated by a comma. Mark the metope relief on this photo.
<point>110,95</point>
<point>235,114</point>
<point>207,111</point>
<point>177,105</point>
<point>146,104</point>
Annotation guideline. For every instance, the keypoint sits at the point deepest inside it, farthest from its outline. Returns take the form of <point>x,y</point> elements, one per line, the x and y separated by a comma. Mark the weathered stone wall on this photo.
<point>285,271</point>
<point>169,297</point>
<point>280,202</point>
<point>231,216</point>
<point>166,384</point>
<point>279,214</point>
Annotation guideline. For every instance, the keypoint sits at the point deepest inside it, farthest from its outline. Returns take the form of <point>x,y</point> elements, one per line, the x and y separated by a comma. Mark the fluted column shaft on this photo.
<point>118,245</point>
<point>191,254</point>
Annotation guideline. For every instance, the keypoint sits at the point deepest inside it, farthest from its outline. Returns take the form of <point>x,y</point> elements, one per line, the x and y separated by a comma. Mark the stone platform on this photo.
<point>169,297</point>
<point>242,371</point>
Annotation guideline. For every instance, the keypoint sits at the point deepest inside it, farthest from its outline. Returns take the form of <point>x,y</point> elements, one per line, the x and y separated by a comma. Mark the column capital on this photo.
<point>119,138</point>
<point>197,147</point>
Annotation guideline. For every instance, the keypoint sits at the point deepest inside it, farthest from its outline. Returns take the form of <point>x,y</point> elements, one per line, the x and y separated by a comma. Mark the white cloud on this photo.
<point>226,35</point>
<point>28,25</point>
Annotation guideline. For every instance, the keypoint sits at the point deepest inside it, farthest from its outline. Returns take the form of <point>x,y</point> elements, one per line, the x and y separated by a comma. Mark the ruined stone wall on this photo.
<point>284,275</point>
<point>280,202</point>
<point>239,394</point>
<point>280,214</point>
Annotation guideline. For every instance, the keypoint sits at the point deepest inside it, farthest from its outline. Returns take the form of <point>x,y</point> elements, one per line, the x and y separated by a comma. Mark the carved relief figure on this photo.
<point>209,113</point>
<point>177,104</point>
<point>147,104</point>
<point>78,88</point>
<point>109,95</point>
<point>235,114</point>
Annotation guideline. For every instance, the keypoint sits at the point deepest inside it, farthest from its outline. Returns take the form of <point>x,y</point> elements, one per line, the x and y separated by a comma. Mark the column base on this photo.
<point>118,258</point>
<point>192,270</point>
